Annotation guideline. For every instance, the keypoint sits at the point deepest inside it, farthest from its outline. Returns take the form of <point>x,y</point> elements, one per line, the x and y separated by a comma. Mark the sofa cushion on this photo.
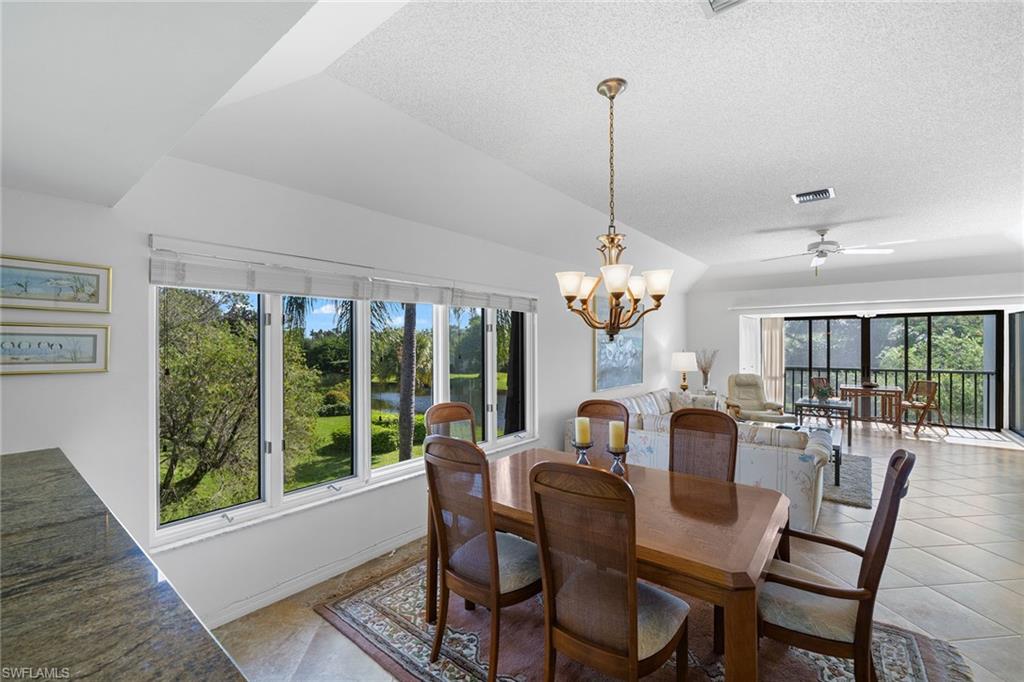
<point>680,400</point>
<point>633,407</point>
<point>647,404</point>
<point>661,398</point>
<point>767,435</point>
<point>656,422</point>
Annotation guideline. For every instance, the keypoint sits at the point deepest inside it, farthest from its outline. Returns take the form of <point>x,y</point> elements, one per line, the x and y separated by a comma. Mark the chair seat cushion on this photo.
<point>518,563</point>
<point>806,612</point>
<point>590,593</point>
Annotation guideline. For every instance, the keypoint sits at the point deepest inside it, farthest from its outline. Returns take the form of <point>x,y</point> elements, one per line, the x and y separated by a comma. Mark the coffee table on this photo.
<point>840,409</point>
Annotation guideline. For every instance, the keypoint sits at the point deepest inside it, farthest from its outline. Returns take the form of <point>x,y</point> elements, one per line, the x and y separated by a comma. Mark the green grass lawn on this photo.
<point>326,462</point>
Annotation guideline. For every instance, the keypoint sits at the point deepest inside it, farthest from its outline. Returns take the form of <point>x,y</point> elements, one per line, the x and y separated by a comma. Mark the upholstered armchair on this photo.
<point>747,400</point>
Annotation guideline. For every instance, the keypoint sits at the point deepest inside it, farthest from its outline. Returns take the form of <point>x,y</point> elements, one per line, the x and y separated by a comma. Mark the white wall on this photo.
<point>713,317</point>
<point>102,421</point>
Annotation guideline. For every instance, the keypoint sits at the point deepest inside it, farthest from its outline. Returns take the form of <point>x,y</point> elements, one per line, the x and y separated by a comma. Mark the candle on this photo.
<point>616,436</point>
<point>583,430</point>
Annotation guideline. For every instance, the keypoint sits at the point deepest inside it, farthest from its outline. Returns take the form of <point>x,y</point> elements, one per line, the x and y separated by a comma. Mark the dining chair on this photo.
<point>922,398</point>
<point>451,419</point>
<point>476,562</point>
<point>703,442</point>
<point>595,610</point>
<point>804,609</point>
<point>600,412</point>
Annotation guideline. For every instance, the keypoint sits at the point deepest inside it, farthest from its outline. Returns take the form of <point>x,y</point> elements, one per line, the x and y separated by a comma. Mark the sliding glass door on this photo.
<point>961,352</point>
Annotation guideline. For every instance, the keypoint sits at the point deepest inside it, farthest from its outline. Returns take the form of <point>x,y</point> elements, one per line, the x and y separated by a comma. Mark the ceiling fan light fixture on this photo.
<point>815,195</point>
<point>819,259</point>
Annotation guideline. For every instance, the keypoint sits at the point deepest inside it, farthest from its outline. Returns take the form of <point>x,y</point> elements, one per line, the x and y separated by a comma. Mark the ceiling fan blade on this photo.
<point>792,255</point>
<point>817,260</point>
<point>866,252</point>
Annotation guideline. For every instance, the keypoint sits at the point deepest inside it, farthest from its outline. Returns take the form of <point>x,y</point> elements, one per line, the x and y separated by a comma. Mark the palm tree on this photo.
<point>296,308</point>
<point>407,385</point>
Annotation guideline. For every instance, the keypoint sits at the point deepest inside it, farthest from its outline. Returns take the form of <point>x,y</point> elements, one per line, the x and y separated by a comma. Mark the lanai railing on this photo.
<point>966,397</point>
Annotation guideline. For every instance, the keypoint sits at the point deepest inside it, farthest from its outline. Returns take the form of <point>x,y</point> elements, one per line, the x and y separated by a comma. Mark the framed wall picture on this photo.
<point>619,362</point>
<point>38,348</point>
<point>39,284</point>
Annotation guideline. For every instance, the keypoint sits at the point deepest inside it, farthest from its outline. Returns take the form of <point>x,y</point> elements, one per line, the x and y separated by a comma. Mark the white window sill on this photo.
<point>256,513</point>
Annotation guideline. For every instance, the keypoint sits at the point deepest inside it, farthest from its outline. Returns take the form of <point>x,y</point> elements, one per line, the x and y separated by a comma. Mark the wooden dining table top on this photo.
<point>718,532</point>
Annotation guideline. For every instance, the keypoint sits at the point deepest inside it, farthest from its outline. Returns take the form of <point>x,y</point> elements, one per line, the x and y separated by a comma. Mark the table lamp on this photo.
<point>684,362</point>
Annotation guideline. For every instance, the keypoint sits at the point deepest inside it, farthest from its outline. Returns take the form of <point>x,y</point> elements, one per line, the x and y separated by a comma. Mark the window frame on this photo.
<point>274,500</point>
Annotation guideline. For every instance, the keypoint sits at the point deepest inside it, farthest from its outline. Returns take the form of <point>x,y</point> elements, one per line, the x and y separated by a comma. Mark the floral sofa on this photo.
<point>791,462</point>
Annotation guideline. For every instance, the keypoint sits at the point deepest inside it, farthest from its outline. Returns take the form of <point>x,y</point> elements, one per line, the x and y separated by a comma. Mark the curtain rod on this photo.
<point>156,242</point>
<point>892,301</point>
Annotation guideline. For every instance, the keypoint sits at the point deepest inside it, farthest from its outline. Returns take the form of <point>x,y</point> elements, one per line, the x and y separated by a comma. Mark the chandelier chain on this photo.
<point>611,164</point>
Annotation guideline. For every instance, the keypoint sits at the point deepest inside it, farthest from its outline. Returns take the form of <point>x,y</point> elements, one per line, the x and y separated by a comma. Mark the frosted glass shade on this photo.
<point>616,278</point>
<point>658,281</point>
<point>637,287</point>
<point>684,362</point>
<point>587,287</point>
<point>569,283</point>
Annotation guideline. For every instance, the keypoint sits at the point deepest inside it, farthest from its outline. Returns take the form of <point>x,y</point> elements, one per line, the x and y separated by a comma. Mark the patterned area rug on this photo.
<point>855,482</point>
<point>386,620</point>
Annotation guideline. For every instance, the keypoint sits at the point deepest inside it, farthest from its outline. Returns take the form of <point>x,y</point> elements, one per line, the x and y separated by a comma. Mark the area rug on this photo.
<point>386,620</point>
<point>854,487</point>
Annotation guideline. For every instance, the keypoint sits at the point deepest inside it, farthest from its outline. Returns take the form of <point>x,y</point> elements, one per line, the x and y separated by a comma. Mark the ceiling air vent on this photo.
<point>816,195</point>
<point>713,7</point>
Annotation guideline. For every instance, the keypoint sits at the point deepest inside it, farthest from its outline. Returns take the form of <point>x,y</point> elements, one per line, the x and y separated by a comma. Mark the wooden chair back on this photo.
<point>925,388</point>
<point>451,419</point>
<point>585,524</point>
<point>817,382</point>
<point>876,550</point>
<point>703,443</point>
<point>600,412</point>
<point>459,482</point>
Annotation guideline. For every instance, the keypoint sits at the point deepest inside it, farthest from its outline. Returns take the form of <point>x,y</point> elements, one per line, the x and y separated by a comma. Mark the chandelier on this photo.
<point>625,290</point>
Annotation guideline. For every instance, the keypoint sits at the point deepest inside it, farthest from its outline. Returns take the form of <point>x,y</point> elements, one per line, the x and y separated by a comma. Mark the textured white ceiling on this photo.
<point>95,92</point>
<point>912,111</point>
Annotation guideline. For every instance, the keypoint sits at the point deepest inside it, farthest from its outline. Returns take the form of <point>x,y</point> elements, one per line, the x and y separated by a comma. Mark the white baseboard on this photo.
<point>257,601</point>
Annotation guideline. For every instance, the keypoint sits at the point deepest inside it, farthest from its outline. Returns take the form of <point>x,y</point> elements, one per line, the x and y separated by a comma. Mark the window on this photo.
<point>960,352</point>
<point>511,371</point>
<point>317,354</point>
<point>209,402</point>
<point>401,379</point>
<point>270,401</point>
<point>466,350</point>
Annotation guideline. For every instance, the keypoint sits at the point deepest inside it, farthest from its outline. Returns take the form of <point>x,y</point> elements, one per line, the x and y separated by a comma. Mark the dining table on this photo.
<point>703,538</point>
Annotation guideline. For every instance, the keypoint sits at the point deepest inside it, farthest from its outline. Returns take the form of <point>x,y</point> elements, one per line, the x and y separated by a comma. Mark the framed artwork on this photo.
<point>39,284</point>
<point>39,348</point>
<point>619,362</point>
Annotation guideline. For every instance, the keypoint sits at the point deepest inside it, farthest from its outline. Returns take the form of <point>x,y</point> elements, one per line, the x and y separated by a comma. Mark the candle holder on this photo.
<point>617,455</point>
<point>581,452</point>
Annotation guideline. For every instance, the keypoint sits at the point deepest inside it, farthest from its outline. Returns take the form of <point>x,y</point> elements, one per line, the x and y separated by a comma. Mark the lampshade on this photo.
<point>569,283</point>
<point>684,362</point>
<point>587,287</point>
<point>616,277</point>
<point>658,281</point>
<point>637,287</point>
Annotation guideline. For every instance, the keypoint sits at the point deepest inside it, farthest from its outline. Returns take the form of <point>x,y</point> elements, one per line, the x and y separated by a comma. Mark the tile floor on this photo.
<point>956,569</point>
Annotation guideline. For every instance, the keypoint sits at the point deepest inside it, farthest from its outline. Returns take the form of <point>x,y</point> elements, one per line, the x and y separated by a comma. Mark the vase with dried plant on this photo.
<point>705,360</point>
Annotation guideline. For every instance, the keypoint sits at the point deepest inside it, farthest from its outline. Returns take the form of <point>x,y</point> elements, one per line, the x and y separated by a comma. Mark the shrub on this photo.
<point>334,410</point>
<point>342,440</point>
<point>382,439</point>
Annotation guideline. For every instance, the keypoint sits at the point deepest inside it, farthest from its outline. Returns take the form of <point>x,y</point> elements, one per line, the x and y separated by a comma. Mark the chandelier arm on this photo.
<point>632,323</point>
<point>624,320</point>
<point>591,321</point>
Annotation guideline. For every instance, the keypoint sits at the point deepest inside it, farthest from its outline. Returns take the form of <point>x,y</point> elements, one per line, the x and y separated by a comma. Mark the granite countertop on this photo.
<point>78,596</point>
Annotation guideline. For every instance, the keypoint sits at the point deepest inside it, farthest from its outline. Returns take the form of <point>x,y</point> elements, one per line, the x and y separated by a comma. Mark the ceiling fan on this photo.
<point>822,249</point>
